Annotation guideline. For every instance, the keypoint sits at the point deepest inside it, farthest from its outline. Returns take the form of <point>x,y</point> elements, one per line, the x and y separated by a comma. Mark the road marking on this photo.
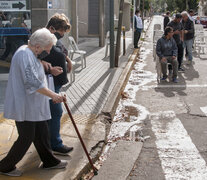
<point>204,109</point>
<point>179,157</point>
<point>177,86</point>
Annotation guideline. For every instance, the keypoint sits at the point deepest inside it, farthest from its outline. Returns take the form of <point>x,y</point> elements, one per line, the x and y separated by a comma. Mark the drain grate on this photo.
<point>80,119</point>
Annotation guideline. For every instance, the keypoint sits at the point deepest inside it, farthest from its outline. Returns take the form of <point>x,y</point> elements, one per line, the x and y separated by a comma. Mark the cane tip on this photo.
<point>95,173</point>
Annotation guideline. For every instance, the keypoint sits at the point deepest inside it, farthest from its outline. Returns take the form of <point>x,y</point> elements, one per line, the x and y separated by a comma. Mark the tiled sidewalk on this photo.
<point>93,84</point>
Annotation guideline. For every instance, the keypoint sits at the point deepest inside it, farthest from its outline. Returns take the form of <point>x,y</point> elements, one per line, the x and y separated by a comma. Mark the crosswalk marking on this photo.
<point>179,157</point>
<point>177,86</point>
<point>204,109</point>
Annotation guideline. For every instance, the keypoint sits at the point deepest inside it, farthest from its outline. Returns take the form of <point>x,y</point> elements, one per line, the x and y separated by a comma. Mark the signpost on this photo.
<point>12,5</point>
<point>118,39</point>
<point>112,55</point>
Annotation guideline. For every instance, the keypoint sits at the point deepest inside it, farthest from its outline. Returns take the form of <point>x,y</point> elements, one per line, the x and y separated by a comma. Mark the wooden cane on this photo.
<point>95,171</point>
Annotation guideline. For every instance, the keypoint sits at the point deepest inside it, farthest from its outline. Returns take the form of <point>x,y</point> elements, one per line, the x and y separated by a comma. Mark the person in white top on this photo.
<point>198,21</point>
<point>137,28</point>
<point>27,102</point>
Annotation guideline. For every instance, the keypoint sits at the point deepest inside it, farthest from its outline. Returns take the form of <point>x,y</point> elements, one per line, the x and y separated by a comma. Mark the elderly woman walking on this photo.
<point>27,103</point>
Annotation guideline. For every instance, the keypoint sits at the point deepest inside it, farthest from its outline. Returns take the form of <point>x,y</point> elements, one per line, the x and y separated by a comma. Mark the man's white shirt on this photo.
<point>139,21</point>
<point>191,18</point>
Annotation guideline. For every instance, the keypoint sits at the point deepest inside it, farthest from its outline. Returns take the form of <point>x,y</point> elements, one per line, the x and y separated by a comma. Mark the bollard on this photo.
<point>124,40</point>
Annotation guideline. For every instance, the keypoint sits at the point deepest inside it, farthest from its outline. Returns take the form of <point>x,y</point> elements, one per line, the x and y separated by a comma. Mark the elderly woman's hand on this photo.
<point>58,98</point>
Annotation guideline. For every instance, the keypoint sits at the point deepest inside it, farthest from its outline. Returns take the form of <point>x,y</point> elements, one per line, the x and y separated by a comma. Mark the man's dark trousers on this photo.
<point>180,54</point>
<point>137,35</point>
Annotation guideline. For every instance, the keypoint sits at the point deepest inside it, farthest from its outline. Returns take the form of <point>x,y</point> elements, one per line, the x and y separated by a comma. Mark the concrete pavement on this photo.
<point>92,99</point>
<point>171,106</point>
<point>120,162</point>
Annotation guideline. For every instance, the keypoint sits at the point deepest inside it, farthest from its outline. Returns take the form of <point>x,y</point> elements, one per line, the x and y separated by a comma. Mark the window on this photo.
<point>15,29</point>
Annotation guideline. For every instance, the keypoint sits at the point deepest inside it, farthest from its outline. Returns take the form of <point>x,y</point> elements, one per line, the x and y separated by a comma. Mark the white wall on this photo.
<point>61,6</point>
<point>126,13</point>
<point>83,18</point>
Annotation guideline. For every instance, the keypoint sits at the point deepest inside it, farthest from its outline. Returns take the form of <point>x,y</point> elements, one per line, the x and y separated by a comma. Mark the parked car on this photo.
<point>203,20</point>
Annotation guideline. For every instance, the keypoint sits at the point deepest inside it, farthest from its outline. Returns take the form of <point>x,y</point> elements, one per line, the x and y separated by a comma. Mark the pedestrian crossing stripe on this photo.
<point>176,86</point>
<point>179,157</point>
<point>204,110</point>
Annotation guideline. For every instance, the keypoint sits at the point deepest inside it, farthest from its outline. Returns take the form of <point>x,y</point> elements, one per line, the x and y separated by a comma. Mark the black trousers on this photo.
<point>137,35</point>
<point>180,54</point>
<point>36,132</point>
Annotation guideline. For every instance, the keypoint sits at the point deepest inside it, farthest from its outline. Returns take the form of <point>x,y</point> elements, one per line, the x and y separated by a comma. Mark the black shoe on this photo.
<point>181,70</point>
<point>63,150</point>
<point>61,165</point>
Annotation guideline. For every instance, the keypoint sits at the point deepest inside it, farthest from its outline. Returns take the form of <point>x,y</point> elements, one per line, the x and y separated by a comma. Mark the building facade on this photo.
<point>202,8</point>
<point>19,18</point>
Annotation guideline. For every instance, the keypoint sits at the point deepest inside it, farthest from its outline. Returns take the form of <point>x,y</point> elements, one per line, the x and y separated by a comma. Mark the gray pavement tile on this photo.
<point>77,93</point>
<point>95,74</point>
<point>91,101</point>
<point>71,93</point>
<point>83,94</point>
<point>92,97</point>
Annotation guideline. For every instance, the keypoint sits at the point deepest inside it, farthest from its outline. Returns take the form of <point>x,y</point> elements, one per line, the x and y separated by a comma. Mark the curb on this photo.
<point>109,108</point>
<point>113,99</point>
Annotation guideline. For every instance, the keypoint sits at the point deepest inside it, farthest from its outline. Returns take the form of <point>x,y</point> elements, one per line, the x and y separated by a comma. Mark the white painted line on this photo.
<point>179,157</point>
<point>204,109</point>
<point>177,86</point>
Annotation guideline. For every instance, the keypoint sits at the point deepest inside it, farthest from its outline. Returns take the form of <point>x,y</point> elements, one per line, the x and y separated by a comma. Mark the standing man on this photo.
<point>188,30</point>
<point>191,14</point>
<point>137,28</point>
<point>166,20</point>
<point>58,25</point>
<point>178,37</point>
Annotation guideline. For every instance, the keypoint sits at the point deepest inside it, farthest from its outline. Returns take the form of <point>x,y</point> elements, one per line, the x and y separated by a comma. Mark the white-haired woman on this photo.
<point>26,102</point>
